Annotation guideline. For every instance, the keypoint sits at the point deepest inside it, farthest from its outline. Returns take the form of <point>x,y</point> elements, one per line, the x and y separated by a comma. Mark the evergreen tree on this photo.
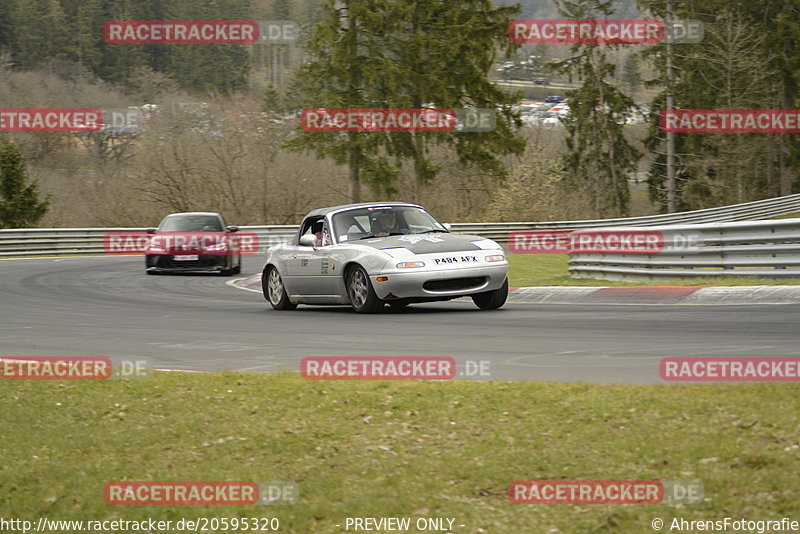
<point>272,101</point>
<point>20,206</point>
<point>599,158</point>
<point>445,51</point>
<point>403,54</point>
<point>748,59</point>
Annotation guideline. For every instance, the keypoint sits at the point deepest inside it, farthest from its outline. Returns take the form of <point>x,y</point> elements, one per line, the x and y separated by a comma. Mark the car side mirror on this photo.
<point>151,230</point>
<point>447,226</point>
<point>232,229</point>
<point>308,240</point>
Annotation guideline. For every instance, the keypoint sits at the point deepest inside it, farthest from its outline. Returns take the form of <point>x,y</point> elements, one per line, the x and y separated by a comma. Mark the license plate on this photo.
<point>455,259</point>
<point>186,257</point>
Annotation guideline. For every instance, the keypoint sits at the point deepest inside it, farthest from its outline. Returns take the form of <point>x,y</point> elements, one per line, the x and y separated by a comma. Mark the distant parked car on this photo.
<point>193,242</point>
<point>560,110</point>
<point>554,99</point>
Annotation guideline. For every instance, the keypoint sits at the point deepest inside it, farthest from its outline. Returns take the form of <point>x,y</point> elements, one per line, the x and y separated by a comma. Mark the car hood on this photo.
<point>424,243</point>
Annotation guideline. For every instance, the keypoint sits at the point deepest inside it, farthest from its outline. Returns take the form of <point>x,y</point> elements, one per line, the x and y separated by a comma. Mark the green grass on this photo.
<point>372,449</point>
<point>551,270</point>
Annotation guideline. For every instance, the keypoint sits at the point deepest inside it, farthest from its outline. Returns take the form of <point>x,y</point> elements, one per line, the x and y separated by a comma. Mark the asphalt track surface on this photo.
<point>107,306</point>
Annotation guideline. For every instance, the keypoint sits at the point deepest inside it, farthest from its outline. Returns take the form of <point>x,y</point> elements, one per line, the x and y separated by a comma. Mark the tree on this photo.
<point>403,54</point>
<point>41,33</point>
<point>19,201</point>
<point>535,190</point>
<point>272,101</point>
<point>599,158</point>
<point>631,76</point>
<point>431,33</point>
<point>748,60</point>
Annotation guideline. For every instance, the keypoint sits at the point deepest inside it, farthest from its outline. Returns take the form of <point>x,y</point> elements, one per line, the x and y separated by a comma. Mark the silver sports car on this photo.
<point>375,253</point>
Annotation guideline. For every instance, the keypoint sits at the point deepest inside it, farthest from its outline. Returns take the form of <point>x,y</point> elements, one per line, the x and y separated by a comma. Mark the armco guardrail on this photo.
<point>769,249</point>
<point>70,241</point>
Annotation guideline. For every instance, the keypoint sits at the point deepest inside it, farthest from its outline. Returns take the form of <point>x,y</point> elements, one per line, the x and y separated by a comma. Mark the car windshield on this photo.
<point>191,223</point>
<point>377,221</point>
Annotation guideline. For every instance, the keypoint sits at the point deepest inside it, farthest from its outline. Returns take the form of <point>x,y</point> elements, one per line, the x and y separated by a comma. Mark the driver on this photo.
<point>386,223</point>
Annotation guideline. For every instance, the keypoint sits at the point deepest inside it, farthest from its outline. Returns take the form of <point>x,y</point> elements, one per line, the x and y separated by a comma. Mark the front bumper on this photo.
<point>440,284</point>
<point>165,263</point>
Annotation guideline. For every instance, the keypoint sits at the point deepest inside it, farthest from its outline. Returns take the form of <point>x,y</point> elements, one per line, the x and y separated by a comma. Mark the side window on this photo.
<point>311,226</point>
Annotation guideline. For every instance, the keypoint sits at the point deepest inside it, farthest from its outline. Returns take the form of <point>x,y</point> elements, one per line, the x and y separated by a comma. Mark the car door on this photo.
<point>325,258</point>
<point>306,273</point>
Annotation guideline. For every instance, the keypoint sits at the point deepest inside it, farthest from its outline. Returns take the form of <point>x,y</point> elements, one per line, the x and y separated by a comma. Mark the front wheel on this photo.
<point>491,300</point>
<point>362,295</point>
<point>274,292</point>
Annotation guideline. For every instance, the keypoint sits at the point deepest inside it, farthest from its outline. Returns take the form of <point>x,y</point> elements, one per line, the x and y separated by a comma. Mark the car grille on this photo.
<point>205,262</point>
<point>454,284</point>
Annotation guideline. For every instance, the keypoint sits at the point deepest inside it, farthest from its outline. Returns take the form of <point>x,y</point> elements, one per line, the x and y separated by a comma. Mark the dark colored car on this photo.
<point>194,242</point>
<point>554,99</point>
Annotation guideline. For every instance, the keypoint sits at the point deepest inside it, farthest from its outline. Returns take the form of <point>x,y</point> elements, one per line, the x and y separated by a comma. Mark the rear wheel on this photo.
<point>274,292</point>
<point>362,295</point>
<point>491,300</point>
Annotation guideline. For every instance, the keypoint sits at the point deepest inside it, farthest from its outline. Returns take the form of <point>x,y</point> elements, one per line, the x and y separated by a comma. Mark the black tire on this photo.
<point>359,289</point>
<point>275,293</point>
<point>151,272</point>
<point>491,300</point>
<point>233,270</point>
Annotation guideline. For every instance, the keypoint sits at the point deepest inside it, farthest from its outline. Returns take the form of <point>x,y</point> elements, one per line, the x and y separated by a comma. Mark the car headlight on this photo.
<point>410,264</point>
<point>486,244</point>
<point>495,257</point>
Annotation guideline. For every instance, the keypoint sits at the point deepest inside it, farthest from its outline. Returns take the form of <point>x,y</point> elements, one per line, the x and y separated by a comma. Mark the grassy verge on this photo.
<point>551,270</point>
<point>371,449</point>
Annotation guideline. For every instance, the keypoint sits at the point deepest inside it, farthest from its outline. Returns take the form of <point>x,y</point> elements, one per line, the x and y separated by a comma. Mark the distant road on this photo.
<point>529,84</point>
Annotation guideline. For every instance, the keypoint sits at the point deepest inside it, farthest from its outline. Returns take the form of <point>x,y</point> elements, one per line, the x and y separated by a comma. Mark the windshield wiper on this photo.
<point>382,234</point>
<point>434,230</point>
